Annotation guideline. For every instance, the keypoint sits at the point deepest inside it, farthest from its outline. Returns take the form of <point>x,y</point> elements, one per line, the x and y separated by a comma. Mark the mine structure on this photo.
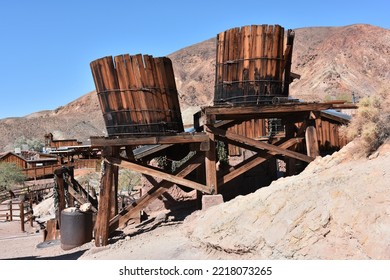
<point>252,112</point>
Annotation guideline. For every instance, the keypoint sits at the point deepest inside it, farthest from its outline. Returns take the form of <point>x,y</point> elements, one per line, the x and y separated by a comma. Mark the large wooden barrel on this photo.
<point>137,95</point>
<point>251,65</point>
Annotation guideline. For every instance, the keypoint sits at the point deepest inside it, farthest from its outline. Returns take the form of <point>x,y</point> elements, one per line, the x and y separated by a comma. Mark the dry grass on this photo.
<point>371,124</point>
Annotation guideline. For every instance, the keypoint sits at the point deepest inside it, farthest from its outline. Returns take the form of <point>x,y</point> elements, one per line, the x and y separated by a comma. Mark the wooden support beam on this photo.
<point>136,141</point>
<point>158,173</point>
<point>133,210</point>
<point>272,110</point>
<point>104,211</point>
<point>258,144</point>
<point>60,188</point>
<point>312,142</point>
<point>256,160</point>
<point>211,157</point>
<point>77,195</point>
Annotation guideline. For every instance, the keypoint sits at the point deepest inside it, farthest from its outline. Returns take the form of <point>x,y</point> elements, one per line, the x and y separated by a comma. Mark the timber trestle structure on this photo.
<point>140,106</point>
<point>213,125</point>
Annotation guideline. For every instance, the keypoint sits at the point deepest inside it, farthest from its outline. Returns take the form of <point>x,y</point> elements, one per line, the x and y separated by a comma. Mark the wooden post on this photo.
<point>10,210</point>
<point>104,211</point>
<point>31,214</point>
<point>59,177</point>
<point>291,162</point>
<point>114,190</point>
<point>21,209</point>
<point>312,142</point>
<point>211,157</point>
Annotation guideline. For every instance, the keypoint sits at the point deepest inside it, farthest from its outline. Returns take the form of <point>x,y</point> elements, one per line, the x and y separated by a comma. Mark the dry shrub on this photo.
<point>370,126</point>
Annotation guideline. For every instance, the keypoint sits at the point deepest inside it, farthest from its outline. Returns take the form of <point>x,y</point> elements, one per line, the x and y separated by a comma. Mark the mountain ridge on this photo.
<point>333,62</point>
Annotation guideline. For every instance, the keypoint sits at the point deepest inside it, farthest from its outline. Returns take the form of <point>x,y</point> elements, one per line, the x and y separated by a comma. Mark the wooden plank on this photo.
<point>61,192</point>
<point>268,109</point>
<point>135,141</point>
<point>103,217</point>
<point>159,174</point>
<point>159,63</point>
<point>246,31</point>
<point>257,144</point>
<point>174,95</point>
<point>211,159</point>
<point>133,96</point>
<point>312,142</point>
<point>256,160</point>
<point>288,60</point>
<point>81,199</point>
<point>132,210</point>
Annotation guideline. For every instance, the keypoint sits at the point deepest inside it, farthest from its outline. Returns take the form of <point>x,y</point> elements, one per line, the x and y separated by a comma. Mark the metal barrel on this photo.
<point>252,65</point>
<point>137,95</point>
<point>76,228</point>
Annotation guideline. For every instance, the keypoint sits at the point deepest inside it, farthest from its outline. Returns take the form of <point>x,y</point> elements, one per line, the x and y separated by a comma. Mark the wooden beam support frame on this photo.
<point>107,195</point>
<point>181,138</point>
<point>148,170</point>
<point>211,157</point>
<point>133,210</point>
<point>258,144</point>
<point>257,159</point>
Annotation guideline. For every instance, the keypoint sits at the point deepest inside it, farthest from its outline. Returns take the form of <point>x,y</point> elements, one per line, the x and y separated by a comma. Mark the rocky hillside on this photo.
<point>335,209</point>
<point>333,62</point>
<point>79,119</point>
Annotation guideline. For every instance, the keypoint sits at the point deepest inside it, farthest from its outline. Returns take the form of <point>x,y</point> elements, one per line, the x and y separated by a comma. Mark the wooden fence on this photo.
<point>45,171</point>
<point>17,210</point>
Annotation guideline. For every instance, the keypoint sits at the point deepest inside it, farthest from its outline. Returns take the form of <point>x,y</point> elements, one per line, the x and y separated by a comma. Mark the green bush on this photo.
<point>370,126</point>
<point>10,176</point>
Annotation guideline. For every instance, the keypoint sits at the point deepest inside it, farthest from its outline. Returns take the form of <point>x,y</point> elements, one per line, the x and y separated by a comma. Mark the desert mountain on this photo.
<point>333,62</point>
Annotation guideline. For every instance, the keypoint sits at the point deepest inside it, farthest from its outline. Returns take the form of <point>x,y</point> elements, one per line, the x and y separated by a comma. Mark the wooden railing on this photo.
<point>17,210</point>
<point>44,171</point>
<point>28,191</point>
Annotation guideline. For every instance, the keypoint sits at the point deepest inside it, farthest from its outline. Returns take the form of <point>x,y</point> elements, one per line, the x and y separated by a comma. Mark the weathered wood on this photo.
<point>60,184</point>
<point>51,232</point>
<point>238,112</point>
<point>21,209</point>
<point>255,160</point>
<point>211,158</point>
<point>258,144</point>
<point>288,60</point>
<point>160,174</point>
<point>132,210</point>
<point>103,217</point>
<point>312,142</point>
<point>137,95</point>
<point>135,141</point>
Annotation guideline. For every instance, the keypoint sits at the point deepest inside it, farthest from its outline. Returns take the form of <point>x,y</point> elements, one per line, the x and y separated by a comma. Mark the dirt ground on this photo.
<point>142,243</point>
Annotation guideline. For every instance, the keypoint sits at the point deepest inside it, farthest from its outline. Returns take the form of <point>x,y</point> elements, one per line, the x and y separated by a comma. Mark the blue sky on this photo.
<point>46,46</point>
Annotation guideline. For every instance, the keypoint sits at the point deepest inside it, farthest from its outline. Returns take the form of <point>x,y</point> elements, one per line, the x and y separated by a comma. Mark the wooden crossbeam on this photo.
<point>77,195</point>
<point>273,109</point>
<point>158,173</point>
<point>133,210</point>
<point>136,141</point>
<point>258,144</point>
<point>255,160</point>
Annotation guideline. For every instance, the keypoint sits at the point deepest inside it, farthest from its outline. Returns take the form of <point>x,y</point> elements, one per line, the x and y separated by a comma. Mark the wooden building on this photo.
<point>50,142</point>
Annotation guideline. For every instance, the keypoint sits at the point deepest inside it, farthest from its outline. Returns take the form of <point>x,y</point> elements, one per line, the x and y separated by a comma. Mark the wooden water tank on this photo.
<point>252,66</point>
<point>137,95</point>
